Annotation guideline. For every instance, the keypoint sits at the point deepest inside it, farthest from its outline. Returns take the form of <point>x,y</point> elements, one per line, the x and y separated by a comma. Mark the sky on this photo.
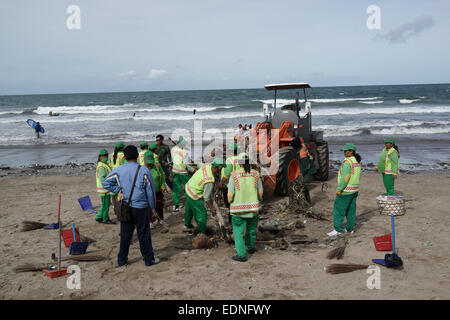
<point>146,45</point>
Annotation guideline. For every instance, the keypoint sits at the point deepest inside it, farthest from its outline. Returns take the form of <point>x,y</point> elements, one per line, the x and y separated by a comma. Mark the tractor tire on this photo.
<point>288,169</point>
<point>323,161</point>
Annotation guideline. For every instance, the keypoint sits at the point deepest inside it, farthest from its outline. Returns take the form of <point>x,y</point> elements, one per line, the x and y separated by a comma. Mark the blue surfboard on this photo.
<point>33,124</point>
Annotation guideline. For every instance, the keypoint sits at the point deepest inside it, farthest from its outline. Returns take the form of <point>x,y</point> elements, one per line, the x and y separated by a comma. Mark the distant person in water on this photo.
<point>37,130</point>
<point>134,113</point>
<point>194,111</point>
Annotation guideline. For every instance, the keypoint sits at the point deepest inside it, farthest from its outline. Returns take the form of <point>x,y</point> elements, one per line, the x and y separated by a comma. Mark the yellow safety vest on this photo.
<point>353,183</point>
<point>100,188</point>
<point>245,197</point>
<point>388,162</point>
<point>178,156</point>
<point>119,159</point>
<point>234,162</point>
<point>141,159</point>
<point>195,186</point>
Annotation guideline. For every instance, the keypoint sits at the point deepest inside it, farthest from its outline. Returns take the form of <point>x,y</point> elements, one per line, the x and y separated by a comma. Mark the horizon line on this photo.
<point>143,91</point>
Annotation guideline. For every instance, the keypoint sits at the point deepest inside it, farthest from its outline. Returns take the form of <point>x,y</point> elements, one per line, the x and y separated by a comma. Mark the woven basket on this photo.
<point>394,206</point>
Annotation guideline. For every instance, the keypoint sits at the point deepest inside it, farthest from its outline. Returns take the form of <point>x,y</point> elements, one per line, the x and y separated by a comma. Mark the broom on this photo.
<point>344,268</point>
<point>29,267</point>
<point>337,253</point>
<point>32,225</point>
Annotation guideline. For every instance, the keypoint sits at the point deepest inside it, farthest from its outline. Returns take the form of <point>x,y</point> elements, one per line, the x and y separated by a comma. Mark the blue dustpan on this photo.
<point>381,261</point>
<point>52,226</point>
<point>77,247</point>
<point>86,204</point>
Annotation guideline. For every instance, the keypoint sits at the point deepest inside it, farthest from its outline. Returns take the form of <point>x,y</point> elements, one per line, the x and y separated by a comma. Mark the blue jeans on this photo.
<point>141,221</point>
<point>166,170</point>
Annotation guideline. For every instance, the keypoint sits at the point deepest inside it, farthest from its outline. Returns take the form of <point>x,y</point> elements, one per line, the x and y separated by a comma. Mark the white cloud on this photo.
<point>128,73</point>
<point>156,73</point>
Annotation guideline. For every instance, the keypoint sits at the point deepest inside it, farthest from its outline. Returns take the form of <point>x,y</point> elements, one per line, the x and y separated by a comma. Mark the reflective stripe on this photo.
<point>179,171</point>
<point>205,177</point>
<point>178,157</point>
<point>353,182</point>
<point>245,197</point>
<point>387,161</point>
<point>244,175</point>
<point>351,188</point>
<point>100,188</point>
<point>244,207</point>
<point>192,193</point>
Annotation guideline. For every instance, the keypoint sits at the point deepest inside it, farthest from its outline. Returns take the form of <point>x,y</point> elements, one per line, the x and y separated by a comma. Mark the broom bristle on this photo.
<point>32,225</point>
<point>343,268</point>
<point>28,267</point>
<point>337,253</point>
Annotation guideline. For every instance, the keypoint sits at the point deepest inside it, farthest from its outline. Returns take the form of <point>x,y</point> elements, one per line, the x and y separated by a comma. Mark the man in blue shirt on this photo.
<point>120,181</point>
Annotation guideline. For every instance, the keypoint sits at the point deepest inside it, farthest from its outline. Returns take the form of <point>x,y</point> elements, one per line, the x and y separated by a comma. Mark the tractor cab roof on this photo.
<point>284,86</point>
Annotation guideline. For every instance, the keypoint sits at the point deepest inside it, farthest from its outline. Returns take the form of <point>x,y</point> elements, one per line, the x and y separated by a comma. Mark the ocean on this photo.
<point>416,115</point>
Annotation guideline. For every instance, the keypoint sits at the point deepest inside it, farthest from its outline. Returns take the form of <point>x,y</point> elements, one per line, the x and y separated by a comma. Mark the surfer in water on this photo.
<point>37,130</point>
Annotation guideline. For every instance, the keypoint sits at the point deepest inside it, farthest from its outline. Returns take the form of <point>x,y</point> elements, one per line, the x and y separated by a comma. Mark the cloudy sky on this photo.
<point>145,45</point>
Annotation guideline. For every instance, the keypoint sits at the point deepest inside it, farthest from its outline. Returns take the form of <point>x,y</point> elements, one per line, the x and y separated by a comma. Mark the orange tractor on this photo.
<point>293,130</point>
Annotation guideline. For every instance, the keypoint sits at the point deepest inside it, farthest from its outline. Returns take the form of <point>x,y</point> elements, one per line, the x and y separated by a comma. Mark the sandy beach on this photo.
<point>296,273</point>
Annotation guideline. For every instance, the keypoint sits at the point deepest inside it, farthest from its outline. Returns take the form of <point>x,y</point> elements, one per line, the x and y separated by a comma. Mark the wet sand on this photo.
<point>296,273</point>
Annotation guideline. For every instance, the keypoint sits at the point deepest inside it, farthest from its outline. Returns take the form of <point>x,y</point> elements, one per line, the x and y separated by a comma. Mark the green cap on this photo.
<point>152,146</point>
<point>218,163</point>
<point>149,157</point>
<point>389,140</point>
<point>120,144</point>
<point>349,146</point>
<point>232,146</point>
<point>180,140</point>
<point>103,152</point>
<point>143,144</point>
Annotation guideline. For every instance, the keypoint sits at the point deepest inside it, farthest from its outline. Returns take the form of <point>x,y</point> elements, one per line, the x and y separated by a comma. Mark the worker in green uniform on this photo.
<point>346,191</point>
<point>165,158</point>
<point>180,171</point>
<point>144,148</point>
<point>101,172</point>
<point>117,158</point>
<point>159,181</point>
<point>245,192</point>
<point>388,165</point>
<point>199,188</point>
<point>153,148</point>
<point>307,169</point>
<point>231,165</point>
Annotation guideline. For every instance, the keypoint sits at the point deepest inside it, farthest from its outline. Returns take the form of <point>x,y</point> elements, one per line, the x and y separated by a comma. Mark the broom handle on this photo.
<point>74,233</point>
<point>59,225</point>
<point>393,233</point>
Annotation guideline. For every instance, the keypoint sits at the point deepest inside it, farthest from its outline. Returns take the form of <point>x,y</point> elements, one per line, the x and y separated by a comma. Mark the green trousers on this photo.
<point>388,181</point>
<point>239,227</point>
<point>195,209</point>
<point>103,212</point>
<point>344,207</point>
<point>179,180</point>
